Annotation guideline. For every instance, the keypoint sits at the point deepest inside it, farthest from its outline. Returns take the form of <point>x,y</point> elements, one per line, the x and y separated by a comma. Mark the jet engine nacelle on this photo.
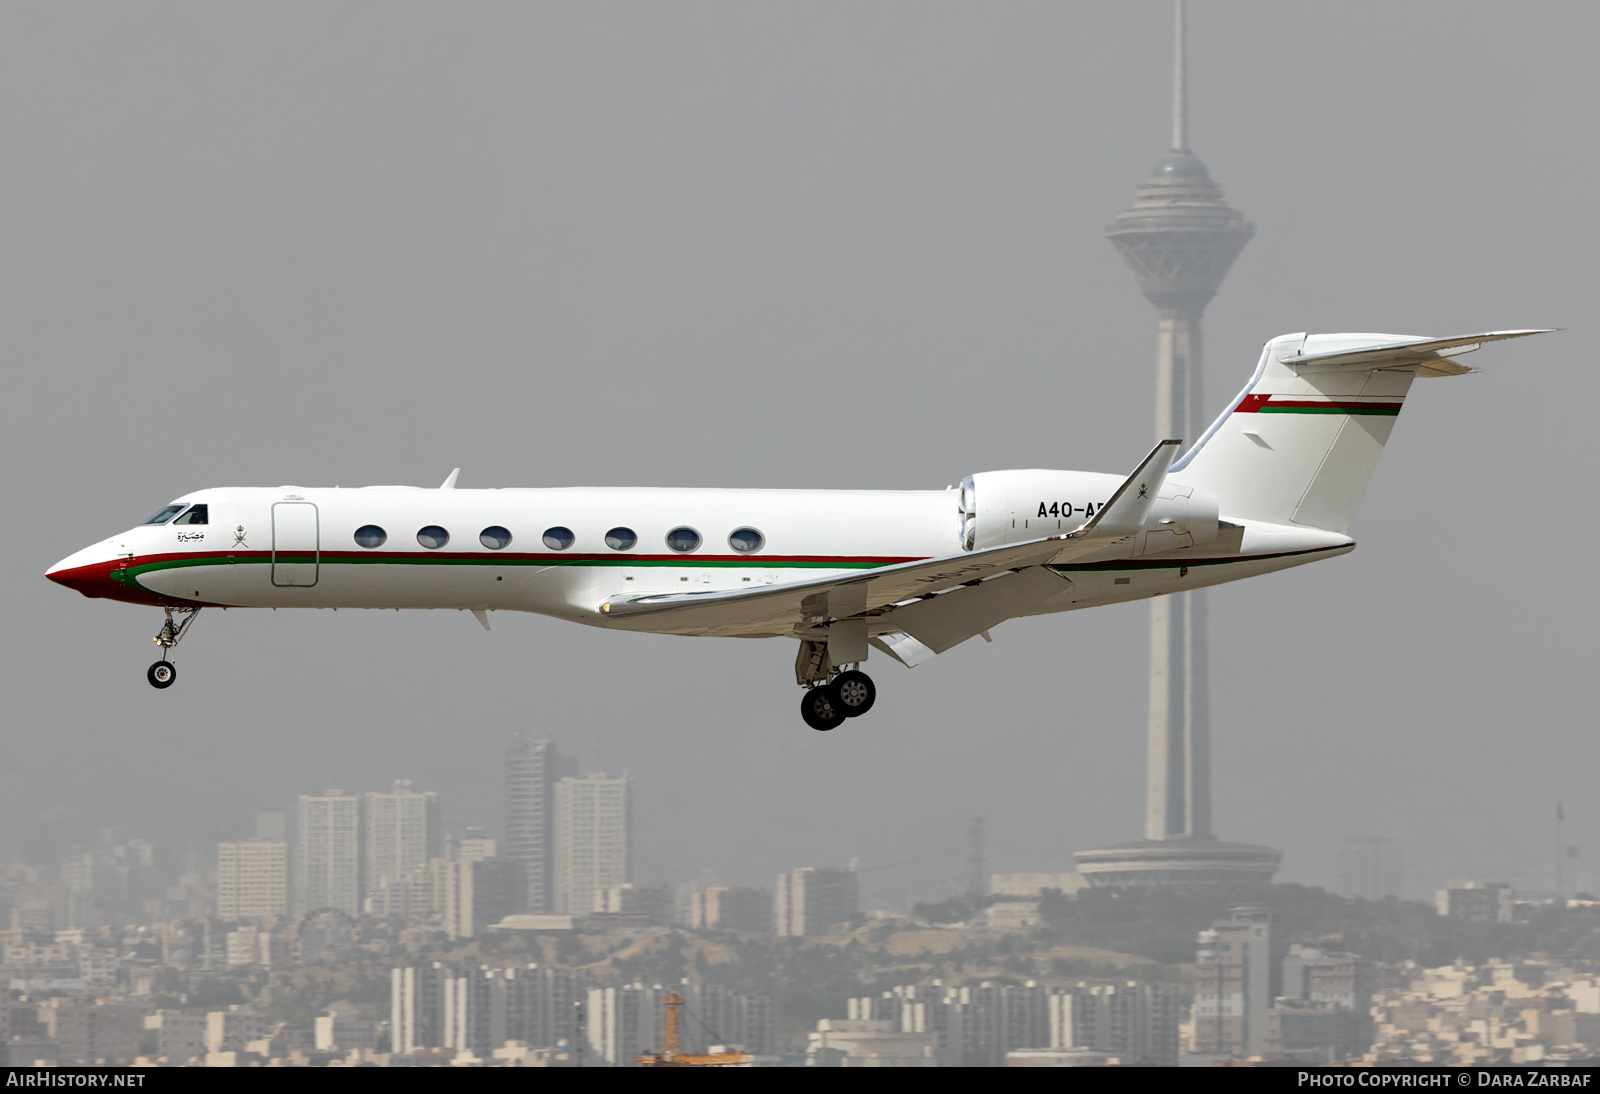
<point>1000,507</point>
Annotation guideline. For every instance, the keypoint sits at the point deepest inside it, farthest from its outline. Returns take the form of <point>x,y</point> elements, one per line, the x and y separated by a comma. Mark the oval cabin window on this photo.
<point>747,541</point>
<point>683,540</point>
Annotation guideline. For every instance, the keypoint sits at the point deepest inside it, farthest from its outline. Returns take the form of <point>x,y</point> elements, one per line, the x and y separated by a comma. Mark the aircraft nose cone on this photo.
<point>106,571</point>
<point>88,571</point>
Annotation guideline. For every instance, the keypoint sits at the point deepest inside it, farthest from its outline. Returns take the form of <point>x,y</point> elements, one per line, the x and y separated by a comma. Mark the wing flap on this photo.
<point>951,618</point>
<point>903,648</point>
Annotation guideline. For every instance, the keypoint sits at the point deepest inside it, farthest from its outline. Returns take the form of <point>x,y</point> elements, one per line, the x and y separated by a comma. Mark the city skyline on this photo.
<point>1361,865</point>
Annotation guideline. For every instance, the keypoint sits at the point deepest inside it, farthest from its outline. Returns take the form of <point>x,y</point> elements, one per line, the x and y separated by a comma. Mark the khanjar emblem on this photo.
<point>238,537</point>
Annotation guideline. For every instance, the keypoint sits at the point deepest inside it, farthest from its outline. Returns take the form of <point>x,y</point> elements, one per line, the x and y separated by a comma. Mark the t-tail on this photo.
<point>1299,444</point>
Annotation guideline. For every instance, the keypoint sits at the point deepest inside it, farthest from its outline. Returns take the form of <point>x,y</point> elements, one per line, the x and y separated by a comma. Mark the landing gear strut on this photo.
<point>163,674</point>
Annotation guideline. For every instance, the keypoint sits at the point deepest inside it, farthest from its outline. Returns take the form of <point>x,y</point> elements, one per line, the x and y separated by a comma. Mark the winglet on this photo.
<point>450,483</point>
<point>1125,513</point>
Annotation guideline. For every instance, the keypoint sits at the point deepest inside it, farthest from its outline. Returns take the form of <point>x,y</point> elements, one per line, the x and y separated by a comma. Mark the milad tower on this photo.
<point>1180,238</point>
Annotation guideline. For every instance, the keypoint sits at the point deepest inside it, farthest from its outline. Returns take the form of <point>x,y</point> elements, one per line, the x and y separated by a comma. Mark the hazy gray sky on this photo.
<point>841,245</point>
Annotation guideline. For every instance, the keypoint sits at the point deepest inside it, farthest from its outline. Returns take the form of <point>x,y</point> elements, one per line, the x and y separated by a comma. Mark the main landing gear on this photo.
<point>848,695</point>
<point>834,692</point>
<point>163,674</point>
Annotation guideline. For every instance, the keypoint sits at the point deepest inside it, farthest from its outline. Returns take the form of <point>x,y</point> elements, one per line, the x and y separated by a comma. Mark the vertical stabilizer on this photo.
<point>1300,443</point>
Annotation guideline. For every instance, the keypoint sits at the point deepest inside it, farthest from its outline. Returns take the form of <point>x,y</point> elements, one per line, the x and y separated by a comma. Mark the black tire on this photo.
<point>820,710</point>
<point>162,674</point>
<point>854,693</point>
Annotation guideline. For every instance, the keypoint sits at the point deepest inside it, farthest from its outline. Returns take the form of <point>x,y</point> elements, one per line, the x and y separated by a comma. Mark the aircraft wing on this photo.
<point>781,609</point>
<point>797,605</point>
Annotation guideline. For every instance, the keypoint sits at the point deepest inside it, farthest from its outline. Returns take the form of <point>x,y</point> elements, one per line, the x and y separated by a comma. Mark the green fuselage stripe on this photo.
<point>1270,409</point>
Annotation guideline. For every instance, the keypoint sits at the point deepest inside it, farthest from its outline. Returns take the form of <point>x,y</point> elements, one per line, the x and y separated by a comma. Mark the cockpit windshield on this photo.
<point>164,514</point>
<point>196,515</point>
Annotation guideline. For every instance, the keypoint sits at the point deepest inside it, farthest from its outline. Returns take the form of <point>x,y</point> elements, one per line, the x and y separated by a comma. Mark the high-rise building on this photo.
<point>1233,984</point>
<point>1133,1022</point>
<point>593,838</point>
<point>401,831</point>
<point>1479,902</point>
<point>477,892</point>
<point>979,1024</point>
<point>625,1021</point>
<point>533,767</point>
<point>480,1009</point>
<point>1315,981</point>
<point>417,1007</point>
<point>1179,238</point>
<point>812,899</point>
<point>1323,1009</point>
<point>473,844</point>
<point>328,852</point>
<point>724,908</point>
<point>252,879</point>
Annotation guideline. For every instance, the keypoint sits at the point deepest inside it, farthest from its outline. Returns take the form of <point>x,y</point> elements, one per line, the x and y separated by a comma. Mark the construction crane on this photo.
<point>669,1056</point>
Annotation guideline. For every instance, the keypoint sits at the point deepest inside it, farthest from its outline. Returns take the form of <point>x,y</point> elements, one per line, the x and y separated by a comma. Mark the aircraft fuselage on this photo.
<point>291,547</point>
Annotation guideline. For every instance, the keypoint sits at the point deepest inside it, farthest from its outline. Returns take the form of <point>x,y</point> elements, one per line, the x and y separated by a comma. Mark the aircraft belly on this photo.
<point>400,585</point>
<point>247,583</point>
<point>1096,586</point>
<point>586,593</point>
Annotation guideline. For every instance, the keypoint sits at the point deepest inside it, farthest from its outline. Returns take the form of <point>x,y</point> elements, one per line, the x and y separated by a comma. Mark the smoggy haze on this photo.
<point>790,245</point>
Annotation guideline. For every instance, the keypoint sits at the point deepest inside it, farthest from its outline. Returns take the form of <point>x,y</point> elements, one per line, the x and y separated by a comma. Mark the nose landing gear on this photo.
<point>163,674</point>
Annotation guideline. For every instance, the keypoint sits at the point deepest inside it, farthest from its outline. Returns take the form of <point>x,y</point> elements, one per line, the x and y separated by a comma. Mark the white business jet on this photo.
<point>1272,483</point>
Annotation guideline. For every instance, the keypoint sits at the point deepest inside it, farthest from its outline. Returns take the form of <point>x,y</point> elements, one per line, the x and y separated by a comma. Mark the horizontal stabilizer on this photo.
<point>1427,355</point>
